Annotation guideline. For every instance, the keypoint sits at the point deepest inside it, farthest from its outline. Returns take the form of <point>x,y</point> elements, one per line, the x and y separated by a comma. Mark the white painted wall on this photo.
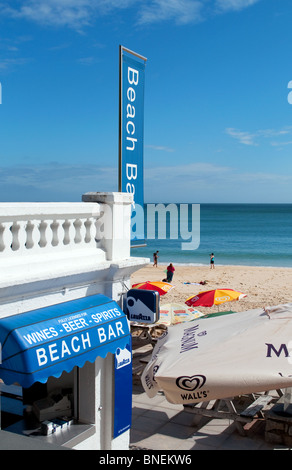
<point>56,252</point>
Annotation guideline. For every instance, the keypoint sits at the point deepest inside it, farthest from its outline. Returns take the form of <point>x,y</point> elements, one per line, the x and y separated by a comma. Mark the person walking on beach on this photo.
<point>212,261</point>
<point>170,271</point>
<point>155,258</point>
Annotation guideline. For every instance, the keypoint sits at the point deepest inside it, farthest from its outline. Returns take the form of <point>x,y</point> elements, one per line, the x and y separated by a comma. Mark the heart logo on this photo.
<point>190,383</point>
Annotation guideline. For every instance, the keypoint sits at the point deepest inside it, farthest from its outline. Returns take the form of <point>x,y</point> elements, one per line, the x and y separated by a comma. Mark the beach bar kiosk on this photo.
<point>66,359</point>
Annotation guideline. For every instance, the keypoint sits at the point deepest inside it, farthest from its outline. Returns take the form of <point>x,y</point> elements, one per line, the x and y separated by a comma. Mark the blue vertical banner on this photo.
<point>131,138</point>
<point>123,390</point>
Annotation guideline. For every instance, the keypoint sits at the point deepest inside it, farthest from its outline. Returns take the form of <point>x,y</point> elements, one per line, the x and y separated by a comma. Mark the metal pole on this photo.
<point>120,120</point>
<point>134,53</point>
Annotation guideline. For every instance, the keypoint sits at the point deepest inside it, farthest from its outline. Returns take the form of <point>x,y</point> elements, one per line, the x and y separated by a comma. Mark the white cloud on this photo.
<point>78,14</point>
<point>181,11</point>
<point>194,182</point>
<point>87,60</point>
<point>245,138</point>
<point>6,64</point>
<point>280,144</point>
<point>54,181</point>
<point>226,5</point>
<point>160,148</point>
<point>254,138</point>
<point>73,13</point>
<point>186,175</point>
<point>207,182</point>
<point>64,12</point>
<point>208,174</point>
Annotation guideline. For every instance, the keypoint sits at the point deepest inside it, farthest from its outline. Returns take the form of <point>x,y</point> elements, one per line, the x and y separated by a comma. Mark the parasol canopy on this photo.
<point>220,357</point>
<point>174,313</point>
<point>159,286</point>
<point>209,298</point>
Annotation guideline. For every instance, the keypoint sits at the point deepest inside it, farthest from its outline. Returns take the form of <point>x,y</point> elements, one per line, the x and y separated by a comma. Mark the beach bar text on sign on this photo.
<point>131,132</point>
<point>50,341</point>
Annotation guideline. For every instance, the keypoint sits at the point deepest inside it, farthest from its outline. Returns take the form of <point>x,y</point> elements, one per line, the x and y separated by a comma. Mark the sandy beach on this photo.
<point>263,286</point>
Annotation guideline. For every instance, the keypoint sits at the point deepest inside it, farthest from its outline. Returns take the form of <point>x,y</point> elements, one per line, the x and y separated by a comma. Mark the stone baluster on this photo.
<point>32,235</point>
<point>43,229</point>
<point>56,228</point>
<point>5,237</point>
<point>69,232</point>
<point>15,228</point>
<point>78,223</point>
<point>90,229</point>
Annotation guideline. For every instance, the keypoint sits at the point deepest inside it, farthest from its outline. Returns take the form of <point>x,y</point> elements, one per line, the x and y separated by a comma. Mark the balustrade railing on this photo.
<point>28,229</point>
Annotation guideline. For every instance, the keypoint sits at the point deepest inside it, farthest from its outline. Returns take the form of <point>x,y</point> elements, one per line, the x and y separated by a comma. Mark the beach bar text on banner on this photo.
<point>131,134</point>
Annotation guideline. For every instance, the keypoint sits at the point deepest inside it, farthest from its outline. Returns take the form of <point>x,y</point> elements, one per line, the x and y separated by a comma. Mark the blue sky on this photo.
<point>218,123</point>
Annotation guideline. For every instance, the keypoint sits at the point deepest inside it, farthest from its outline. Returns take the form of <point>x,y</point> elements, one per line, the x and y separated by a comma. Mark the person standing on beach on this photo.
<point>155,258</point>
<point>212,261</point>
<point>170,271</point>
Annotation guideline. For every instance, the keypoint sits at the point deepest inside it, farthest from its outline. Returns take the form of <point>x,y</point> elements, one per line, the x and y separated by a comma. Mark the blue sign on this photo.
<point>132,79</point>
<point>47,341</point>
<point>123,390</point>
<point>142,306</point>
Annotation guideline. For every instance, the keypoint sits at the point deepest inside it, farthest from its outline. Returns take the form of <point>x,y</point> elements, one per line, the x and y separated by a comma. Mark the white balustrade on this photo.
<point>47,247</point>
<point>99,227</point>
<point>53,252</point>
<point>33,229</point>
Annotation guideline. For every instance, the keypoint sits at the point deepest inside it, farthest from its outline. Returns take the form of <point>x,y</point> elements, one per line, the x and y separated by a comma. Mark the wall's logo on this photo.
<point>191,383</point>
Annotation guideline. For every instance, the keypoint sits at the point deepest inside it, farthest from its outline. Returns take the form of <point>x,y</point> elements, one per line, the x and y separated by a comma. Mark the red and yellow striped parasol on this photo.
<point>214,297</point>
<point>159,286</point>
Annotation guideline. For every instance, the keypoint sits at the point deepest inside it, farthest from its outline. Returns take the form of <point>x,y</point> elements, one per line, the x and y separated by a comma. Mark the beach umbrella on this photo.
<point>219,357</point>
<point>159,286</point>
<point>173,313</point>
<point>214,297</point>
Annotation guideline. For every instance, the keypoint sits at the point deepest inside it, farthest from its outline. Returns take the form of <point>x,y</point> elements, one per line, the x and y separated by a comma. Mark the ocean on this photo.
<point>237,234</point>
